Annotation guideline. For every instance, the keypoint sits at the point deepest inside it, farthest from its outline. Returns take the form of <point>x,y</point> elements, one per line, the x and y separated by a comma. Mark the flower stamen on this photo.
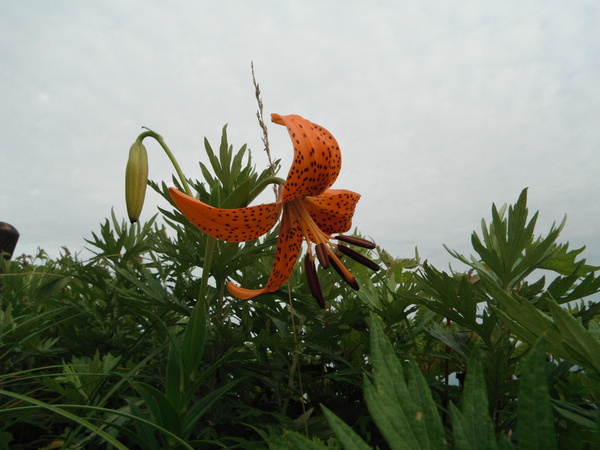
<point>310,229</point>
<point>313,234</point>
<point>322,256</point>
<point>342,271</point>
<point>313,280</point>
<point>353,240</point>
<point>358,257</point>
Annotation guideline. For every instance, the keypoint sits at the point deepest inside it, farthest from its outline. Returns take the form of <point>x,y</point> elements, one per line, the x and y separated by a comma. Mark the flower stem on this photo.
<point>161,141</point>
<point>195,333</point>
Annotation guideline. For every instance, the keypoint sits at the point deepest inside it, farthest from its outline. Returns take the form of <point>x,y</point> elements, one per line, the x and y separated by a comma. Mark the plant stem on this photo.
<point>161,141</point>
<point>195,333</point>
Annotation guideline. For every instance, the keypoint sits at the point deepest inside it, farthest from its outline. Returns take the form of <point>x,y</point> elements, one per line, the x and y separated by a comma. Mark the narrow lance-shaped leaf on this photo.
<point>225,151</point>
<point>346,435</point>
<point>406,419</point>
<point>535,420</point>
<point>473,428</point>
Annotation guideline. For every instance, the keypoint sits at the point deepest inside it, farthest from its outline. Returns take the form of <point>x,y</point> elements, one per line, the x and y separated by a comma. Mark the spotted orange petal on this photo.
<point>289,244</point>
<point>233,225</point>
<point>317,158</point>
<point>332,210</point>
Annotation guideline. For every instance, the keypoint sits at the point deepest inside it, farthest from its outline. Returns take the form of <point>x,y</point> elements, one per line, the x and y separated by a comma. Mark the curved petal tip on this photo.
<point>243,293</point>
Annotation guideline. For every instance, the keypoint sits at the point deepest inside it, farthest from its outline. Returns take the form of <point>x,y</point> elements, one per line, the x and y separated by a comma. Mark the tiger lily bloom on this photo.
<point>310,211</point>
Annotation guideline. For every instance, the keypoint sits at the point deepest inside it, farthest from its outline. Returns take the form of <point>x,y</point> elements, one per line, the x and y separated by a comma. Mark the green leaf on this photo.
<point>239,196</point>
<point>162,410</point>
<point>225,152</point>
<point>346,435</point>
<point>407,419</point>
<point>196,412</point>
<point>473,428</point>
<point>145,436</point>
<point>564,261</point>
<point>301,442</point>
<point>597,435</point>
<point>174,380</point>
<point>74,417</point>
<point>565,336</point>
<point>194,337</point>
<point>214,161</point>
<point>207,175</point>
<point>509,252</point>
<point>429,416</point>
<point>581,344</point>
<point>535,419</point>
<point>453,297</point>
<point>236,164</point>
<point>576,414</point>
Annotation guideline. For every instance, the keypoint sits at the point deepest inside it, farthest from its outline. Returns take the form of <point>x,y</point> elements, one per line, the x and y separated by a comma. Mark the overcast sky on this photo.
<point>441,107</point>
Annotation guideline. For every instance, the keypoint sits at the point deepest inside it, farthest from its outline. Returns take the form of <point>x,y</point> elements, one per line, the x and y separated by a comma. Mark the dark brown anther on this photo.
<point>345,274</point>
<point>322,256</point>
<point>358,257</point>
<point>313,281</point>
<point>359,242</point>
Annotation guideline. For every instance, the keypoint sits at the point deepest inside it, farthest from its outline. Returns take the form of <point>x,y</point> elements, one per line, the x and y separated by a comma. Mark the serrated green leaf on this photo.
<point>207,175</point>
<point>460,429</point>
<point>225,152</point>
<point>429,415</point>
<point>525,320</point>
<point>346,435</point>
<point>565,262</point>
<point>594,330</point>
<point>300,442</point>
<point>214,161</point>
<point>588,286</point>
<point>565,336</point>
<point>405,421</point>
<point>473,427</point>
<point>508,252</point>
<point>581,344</point>
<point>535,420</point>
<point>236,165</point>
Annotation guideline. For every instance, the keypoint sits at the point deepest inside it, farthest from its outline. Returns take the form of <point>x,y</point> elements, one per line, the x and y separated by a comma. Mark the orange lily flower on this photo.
<point>310,211</point>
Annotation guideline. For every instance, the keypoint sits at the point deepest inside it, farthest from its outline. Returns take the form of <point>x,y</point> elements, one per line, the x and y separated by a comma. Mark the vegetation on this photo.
<point>119,351</point>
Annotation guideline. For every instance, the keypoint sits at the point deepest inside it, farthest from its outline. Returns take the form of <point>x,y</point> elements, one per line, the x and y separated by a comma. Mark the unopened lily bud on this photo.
<point>136,179</point>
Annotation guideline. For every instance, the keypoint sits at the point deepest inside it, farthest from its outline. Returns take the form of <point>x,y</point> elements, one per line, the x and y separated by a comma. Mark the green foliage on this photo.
<point>473,427</point>
<point>141,346</point>
<point>535,424</point>
<point>401,404</point>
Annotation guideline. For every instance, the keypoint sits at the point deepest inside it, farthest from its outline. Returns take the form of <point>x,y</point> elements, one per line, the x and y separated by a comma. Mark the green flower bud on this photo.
<point>136,179</point>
